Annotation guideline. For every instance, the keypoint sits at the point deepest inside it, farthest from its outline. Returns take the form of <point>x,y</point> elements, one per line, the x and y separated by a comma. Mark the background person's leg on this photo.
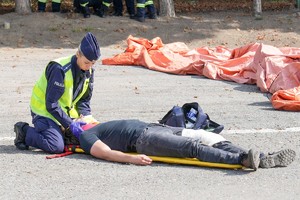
<point>96,4</point>
<point>151,9</point>
<point>84,8</point>
<point>104,8</point>
<point>130,8</point>
<point>140,11</point>
<point>118,7</point>
<point>42,5</point>
<point>56,5</point>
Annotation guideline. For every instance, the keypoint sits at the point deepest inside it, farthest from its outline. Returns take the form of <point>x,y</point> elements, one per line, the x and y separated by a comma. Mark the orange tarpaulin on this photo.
<point>272,69</point>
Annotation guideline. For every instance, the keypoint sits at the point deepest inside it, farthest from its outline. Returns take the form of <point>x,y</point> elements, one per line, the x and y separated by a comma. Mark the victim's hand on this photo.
<point>141,160</point>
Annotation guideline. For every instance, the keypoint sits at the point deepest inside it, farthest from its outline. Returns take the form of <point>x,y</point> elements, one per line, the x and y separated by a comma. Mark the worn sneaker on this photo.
<point>251,160</point>
<point>278,159</point>
<point>20,135</point>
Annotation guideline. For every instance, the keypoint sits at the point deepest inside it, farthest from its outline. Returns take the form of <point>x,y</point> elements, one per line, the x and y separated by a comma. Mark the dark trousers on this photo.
<point>158,140</point>
<point>118,6</point>
<point>141,10</point>
<point>46,135</point>
<point>96,4</point>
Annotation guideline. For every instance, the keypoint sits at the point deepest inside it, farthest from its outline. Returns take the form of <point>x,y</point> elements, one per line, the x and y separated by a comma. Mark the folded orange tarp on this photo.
<point>272,69</point>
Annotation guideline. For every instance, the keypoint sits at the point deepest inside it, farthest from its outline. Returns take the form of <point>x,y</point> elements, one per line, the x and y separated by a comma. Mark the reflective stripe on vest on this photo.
<point>84,4</point>
<point>38,103</point>
<point>140,5</point>
<point>106,3</point>
<point>147,3</point>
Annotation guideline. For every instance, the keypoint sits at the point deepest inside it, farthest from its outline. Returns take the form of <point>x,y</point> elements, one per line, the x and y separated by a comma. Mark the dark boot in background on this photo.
<point>41,7</point>
<point>86,12</point>
<point>118,7</point>
<point>102,12</point>
<point>55,7</point>
<point>130,8</point>
<point>140,15</point>
<point>151,12</point>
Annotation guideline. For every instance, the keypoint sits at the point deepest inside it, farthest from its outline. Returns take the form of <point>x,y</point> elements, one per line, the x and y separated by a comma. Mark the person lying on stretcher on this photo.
<point>111,140</point>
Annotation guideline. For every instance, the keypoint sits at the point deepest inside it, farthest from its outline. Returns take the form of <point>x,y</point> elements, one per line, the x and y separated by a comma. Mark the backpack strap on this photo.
<point>213,126</point>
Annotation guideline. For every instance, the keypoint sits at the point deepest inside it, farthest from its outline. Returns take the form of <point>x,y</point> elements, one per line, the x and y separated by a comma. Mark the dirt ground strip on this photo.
<point>231,29</point>
<point>135,92</point>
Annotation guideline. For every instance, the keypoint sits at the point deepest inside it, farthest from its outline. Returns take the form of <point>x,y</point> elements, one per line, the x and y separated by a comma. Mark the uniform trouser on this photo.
<point>118,6</point>
<point>142,4</point>
<point>106,2</point>
<point>55,5</point>
<point>46,135</point>
<point>96,4</point>
<point>158,140</point>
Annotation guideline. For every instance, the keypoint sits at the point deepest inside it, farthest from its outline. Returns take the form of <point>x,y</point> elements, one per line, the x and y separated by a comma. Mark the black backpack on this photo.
<point>178,117</point>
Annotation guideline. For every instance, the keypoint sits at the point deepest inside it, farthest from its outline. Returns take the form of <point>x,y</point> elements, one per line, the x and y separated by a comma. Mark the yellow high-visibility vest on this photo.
<point>38,98</point>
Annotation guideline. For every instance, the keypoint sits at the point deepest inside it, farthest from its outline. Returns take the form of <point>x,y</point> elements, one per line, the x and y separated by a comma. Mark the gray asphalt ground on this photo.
<point>134,92</point>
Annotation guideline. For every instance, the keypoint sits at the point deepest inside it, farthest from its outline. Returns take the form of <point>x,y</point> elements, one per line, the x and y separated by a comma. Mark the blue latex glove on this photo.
<point>76,129</point>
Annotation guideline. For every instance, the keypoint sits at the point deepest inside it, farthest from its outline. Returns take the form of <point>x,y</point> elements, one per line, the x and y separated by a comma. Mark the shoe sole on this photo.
<point>254,159</point>
<point>20,146</point>
<point>280,159</point>
<point>16,131</point>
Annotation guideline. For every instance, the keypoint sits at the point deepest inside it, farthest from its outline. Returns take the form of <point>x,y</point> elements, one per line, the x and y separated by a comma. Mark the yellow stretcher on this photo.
<point>169,160</point>
<point>193,161</point>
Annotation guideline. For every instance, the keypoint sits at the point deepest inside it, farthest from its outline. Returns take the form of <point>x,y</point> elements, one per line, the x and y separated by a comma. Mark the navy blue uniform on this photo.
<point>140,11</point>
<point>118,6</point>
<point>83,6</point>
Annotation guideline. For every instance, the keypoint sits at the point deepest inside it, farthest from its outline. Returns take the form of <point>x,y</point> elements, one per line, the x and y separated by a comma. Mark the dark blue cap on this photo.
<point>89,47</point>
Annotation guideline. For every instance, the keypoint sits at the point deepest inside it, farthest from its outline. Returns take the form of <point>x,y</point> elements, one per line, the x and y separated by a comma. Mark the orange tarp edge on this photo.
<point>272,69</point>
